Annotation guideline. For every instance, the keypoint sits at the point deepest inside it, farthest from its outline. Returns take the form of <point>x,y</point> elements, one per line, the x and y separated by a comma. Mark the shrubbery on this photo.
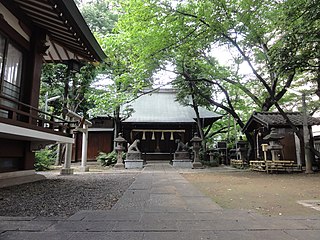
<point>44,159</point>
<point>106,159</point>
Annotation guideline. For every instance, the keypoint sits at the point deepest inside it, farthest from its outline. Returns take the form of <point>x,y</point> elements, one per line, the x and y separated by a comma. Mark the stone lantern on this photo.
<point>120,147</point>
<point>274,144</point>
<point>196,144</point>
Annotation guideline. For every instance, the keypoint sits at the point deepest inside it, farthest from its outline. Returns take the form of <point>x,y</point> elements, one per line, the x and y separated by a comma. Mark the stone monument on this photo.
<point>133,159</point>
<point>182,156</point>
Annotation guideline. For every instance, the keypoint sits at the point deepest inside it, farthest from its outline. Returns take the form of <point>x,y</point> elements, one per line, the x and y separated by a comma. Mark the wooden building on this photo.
<point>158,119</point>
<point>260,125</point>
<point>31,33</point>
<point>100,138</point>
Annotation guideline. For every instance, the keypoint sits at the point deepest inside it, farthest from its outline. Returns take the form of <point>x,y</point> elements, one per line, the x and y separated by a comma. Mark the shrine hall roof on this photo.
<point>69,36</point>
<point>162,107</point>
<point>275,119</point>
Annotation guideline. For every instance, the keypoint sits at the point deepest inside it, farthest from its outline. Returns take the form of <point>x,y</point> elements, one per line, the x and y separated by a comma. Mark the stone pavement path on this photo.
<point>162,205</point>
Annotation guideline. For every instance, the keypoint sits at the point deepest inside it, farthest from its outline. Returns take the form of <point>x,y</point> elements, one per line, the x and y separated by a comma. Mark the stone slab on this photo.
<point>25,225</point>
<point>82,226</point>
<point>254,235</point>
<point>107,236</point>
<point>182,163</point>
<point>304,234</point>
<point>136,163</point>
<point>107,215</point>
<point>35,235</point>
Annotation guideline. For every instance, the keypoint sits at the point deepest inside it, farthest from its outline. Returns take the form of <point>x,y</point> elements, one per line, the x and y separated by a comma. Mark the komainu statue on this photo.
<point>181,146</point>
<point>133,148</point>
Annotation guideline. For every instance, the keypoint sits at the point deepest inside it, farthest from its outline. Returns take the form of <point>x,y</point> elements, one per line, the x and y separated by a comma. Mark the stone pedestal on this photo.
<point>84,169</point>
<point>128,164</point>
<point>66,171</point>
<point>133,160</point>
<point>181,160</point>
<point>197,165</point>
<point>119,165</point>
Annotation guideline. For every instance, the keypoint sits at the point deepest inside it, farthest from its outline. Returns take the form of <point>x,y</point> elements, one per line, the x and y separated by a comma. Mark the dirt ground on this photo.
<point>268,194</point>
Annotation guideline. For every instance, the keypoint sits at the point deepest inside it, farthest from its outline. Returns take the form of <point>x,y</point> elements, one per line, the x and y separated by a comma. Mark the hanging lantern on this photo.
<point>143,135</point>
<point>162,135</point>
<point>171,136</point>
<point>153,137</point>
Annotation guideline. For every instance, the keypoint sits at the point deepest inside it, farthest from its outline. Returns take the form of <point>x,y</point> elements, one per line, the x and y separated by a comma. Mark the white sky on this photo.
<point>223,56</point>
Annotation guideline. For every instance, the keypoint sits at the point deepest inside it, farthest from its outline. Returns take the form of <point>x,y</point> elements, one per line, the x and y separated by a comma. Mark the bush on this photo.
<point>44,159</point>
<point>106,159</point>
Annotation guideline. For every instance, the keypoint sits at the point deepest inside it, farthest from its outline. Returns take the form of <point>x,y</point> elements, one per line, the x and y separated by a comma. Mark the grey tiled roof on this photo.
<point>275,119</point>
<point>162,107</point>
<point>272,118</point>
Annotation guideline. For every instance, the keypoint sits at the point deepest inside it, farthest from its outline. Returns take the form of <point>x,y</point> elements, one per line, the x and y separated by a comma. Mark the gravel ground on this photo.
<point>64,195</point>
<point>268,194</point>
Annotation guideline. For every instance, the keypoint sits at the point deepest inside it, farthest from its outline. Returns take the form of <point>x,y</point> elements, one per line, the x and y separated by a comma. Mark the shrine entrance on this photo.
<point>158,144</point>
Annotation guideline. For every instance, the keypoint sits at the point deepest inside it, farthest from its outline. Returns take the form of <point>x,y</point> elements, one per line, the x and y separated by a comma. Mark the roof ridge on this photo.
<point>276,113</point>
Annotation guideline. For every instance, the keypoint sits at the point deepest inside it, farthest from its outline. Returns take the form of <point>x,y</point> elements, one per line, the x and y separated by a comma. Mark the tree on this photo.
<point>161,31</point>
<point>99,15</point>
<point>57,80</point>
<point>119,82</point>
<point>298,46</point>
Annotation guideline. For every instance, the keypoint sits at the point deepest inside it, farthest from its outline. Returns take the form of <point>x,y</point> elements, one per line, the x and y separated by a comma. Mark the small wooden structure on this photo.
<point>292,153</point>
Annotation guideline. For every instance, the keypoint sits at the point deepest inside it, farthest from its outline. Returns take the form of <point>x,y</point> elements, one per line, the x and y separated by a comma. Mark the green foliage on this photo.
<point>99,15</point>
<point>55,77</point>
<point>271,38</point>
<point>119,81</point>
<point>277,41</point>
<point>106,159</point>
<point>44,159</point>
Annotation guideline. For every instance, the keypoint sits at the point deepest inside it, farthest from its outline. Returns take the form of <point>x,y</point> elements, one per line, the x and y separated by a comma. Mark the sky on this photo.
<point>223,56</point>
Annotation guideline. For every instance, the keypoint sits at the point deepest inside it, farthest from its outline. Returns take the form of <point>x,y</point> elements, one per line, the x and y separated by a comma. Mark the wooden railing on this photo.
<point>20,114</point>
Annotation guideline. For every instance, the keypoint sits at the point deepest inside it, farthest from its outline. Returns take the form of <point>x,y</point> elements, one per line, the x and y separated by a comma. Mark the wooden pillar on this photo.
<point>29,157</point>
<point>31,90</point>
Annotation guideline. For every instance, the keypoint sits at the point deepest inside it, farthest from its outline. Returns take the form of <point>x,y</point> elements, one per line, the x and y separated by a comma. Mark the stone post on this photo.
<point>84,153</point>
<point>66,169</point>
